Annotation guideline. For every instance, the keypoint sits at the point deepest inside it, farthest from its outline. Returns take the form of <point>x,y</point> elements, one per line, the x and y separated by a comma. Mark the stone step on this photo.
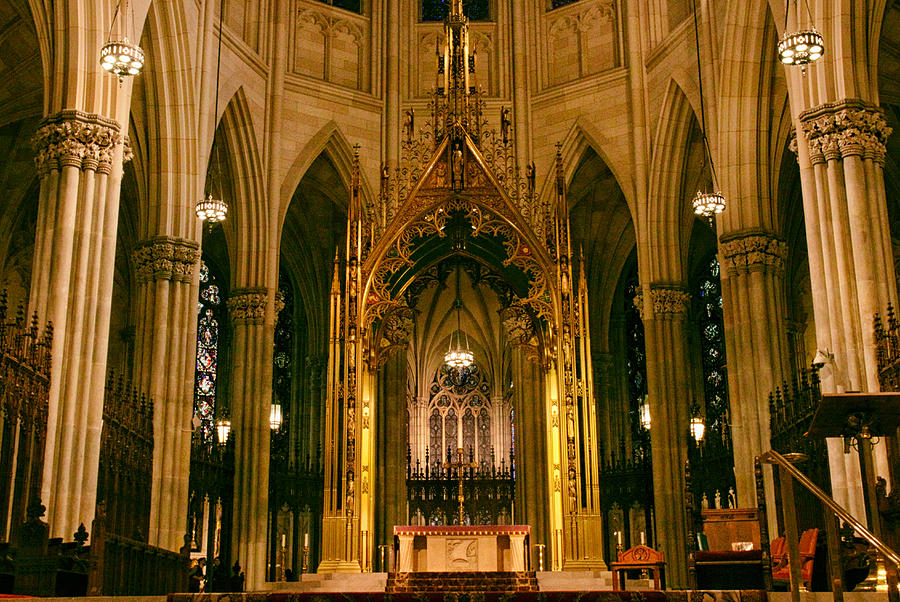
<point>462,582</point>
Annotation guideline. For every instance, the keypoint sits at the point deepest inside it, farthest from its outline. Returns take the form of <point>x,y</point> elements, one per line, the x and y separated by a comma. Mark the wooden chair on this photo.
<point>642,558</point>
<point>777,549</point>
<point>715,564</point>
<point>781,572</point>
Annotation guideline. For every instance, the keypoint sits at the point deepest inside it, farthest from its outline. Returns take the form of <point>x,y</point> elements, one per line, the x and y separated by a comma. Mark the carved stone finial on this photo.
<point>81,535</point>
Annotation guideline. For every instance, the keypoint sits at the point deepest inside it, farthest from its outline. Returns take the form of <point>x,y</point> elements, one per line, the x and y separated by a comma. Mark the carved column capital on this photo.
<point>843,129</point>
<point>667,300</point>
<point>166,258</point>
<point>248,305</point>
<point>75,139</point>
<point>745,251</point>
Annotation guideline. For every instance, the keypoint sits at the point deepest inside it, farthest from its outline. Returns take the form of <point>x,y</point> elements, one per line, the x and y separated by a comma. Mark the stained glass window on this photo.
<point>484,435</point>
<point>353,5</point>
<point>475,10</point>
<point>558,3</point>
<point>209,309</point>
<point>712,343</point>
<point>468,441</point>
<point>635,358</point>
<point>435,443</point>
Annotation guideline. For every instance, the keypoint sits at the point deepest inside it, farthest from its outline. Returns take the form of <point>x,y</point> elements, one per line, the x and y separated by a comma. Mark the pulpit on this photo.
<point>480,548</point>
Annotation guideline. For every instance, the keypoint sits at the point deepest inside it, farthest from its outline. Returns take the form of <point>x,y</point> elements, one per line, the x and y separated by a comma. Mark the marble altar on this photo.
<point>462,548</point>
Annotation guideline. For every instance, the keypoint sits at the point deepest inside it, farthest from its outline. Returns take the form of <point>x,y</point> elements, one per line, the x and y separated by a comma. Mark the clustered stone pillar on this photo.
<point>850,253</point>
<point>532,453</point>
<point>79,162</point>
<point>253,322</point>
<point>165,349</point>
<point>664,313</point>
<point>755,336</point>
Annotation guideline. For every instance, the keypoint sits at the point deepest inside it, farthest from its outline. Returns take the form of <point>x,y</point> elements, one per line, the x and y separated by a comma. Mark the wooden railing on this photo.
<point>24,394</point>
<point>112,565</point>
<point>126,459</point>
<point>122,566</point>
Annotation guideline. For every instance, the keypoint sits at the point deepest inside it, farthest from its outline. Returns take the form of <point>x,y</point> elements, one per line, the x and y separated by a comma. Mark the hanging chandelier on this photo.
<point>121,57</point>
<point>705,204</point>
<point>800,47</point>
<point>708,204</point>
<point>214,209</point>
<point>211,209</point>
<point>458,357</point>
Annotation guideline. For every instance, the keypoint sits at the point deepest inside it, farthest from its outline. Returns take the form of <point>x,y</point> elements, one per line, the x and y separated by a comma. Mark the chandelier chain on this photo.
<point>712,168</point>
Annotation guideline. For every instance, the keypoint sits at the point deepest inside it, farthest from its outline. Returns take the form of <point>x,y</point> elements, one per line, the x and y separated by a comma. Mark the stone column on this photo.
<point>79,162</point>
<point>166,302</point>
<point>664,313</point>
<point>841,150</point>
<point>251,395</point>
<point>755,334</point>
<point>532,487</point>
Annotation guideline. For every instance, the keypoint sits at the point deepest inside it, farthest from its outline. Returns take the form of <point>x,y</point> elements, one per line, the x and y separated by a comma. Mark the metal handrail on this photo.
<point>774,457</point>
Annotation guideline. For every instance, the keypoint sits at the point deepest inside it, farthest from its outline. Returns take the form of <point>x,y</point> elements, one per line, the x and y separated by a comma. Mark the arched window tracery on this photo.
<point>459,411</point>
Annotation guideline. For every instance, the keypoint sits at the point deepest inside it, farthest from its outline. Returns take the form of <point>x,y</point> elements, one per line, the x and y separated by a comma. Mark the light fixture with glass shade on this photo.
<point>213,208</point>
<point>801,47</point>
<point>223,430</point>
<point>644,414</point>
<point>275,416</point>
<point>705,204</point>
<point>698,428</point>
<point>121,57</point>
<point>458,357</point>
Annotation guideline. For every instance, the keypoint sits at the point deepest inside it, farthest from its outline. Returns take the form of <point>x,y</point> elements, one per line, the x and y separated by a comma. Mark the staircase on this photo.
<point>501,582</point>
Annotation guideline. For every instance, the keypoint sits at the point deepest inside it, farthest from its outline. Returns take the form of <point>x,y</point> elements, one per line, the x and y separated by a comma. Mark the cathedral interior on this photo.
<point>283,276</point>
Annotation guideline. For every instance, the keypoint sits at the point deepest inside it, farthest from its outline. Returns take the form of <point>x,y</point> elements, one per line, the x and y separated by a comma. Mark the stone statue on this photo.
<point>409,123</point>
<point>457,165</point>
<point>718,499</point>
<point>704,503</point>
<point>504,124</point>
<point>530,176</point>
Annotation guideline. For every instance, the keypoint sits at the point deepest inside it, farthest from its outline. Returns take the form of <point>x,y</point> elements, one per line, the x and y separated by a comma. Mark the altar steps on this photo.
<point>503,582</point>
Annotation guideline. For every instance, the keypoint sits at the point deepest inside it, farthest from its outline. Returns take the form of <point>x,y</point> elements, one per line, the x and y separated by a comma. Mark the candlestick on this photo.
<point>306,540</point>
<point>283,540</point>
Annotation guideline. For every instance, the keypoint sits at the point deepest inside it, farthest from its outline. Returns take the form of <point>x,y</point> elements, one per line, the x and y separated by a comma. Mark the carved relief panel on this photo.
<point>582,39</point>
<point>332,45</point>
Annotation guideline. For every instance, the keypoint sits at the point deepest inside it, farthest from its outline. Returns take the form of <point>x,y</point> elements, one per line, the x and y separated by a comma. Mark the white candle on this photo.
<point>306,539</point>
<point>619,537</point>
<point>643,538</point>
<point>283,540</point>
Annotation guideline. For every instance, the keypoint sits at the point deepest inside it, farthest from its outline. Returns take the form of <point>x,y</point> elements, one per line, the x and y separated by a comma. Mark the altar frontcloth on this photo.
<point>462,548</point>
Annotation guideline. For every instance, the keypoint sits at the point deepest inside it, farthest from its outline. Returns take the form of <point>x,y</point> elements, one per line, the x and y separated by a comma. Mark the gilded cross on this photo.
<point>459,465</point>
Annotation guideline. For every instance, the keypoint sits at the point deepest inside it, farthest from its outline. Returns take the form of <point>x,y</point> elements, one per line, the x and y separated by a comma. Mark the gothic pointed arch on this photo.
<point>415,238</point>
<point>749,96</point>
<point>667,205</point>
<point>248,225</point>
<point>332,142</point>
